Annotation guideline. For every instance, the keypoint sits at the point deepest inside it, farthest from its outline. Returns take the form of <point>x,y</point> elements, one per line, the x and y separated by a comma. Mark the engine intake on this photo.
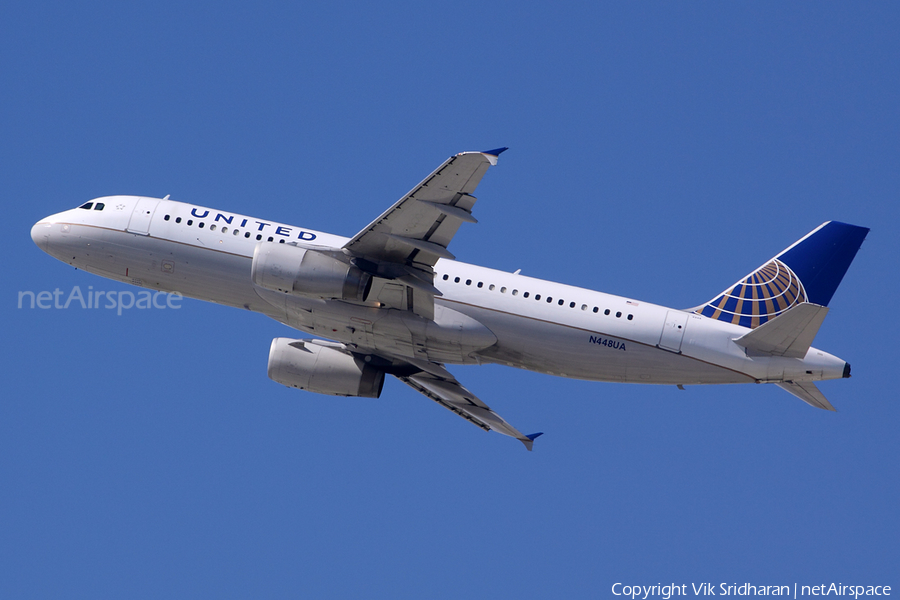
<point>294,270</point>
<point>322,369</point>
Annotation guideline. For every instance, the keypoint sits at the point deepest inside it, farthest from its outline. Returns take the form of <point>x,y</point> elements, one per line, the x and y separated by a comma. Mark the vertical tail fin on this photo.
<point>810,270</point>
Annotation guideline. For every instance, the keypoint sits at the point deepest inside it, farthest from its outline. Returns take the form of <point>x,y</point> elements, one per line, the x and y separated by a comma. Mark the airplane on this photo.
<point>392,300</point>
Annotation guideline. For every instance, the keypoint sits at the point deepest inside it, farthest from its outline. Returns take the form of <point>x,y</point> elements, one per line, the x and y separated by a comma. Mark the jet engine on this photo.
<point>294,270</point>
<point>322,369</point>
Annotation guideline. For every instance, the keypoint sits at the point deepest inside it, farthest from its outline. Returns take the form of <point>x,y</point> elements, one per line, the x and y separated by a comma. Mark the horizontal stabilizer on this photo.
<point>808,392</point>
<point>790,334</point>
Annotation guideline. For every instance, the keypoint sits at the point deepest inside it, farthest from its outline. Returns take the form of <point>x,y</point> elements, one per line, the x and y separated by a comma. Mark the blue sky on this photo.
<point>658,151</point>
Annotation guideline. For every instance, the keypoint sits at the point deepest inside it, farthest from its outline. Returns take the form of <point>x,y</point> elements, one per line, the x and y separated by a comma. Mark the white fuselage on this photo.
<point>484,315</point>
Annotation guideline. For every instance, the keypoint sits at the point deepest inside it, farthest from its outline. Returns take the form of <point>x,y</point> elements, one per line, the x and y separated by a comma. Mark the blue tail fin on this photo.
<point>808,271</point>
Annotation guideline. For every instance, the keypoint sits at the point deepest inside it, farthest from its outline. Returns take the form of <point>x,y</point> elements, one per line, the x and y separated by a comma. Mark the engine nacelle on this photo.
<point>321,369</point>
<point>294,270</point>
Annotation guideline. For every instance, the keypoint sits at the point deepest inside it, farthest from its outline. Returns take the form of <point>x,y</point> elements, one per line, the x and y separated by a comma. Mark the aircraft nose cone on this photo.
<point>40,235</point>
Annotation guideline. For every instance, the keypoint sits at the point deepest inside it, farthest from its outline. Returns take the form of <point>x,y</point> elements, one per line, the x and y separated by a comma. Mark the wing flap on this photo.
<point>423,245</point>
<point>463,215</point>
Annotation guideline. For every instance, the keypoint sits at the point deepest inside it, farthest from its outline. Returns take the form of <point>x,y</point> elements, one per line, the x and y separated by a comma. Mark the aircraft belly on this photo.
<point>451,338</point>
<point>581,354</point>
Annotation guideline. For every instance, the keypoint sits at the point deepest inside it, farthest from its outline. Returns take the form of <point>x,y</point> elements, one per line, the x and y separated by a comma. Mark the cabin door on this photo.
<point>673,330</point>
<point>141,216</point>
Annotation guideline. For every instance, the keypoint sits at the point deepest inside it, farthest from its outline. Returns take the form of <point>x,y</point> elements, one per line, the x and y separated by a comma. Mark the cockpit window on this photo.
<point>86,205</point>
<point>99,206</point>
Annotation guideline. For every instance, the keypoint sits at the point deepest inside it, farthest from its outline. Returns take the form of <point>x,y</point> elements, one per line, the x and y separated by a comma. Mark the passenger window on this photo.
<point>605,312</point>
<point>571,304</point>
<point>480,284</point>
<point>618,315</point>
<point>271,238</point>
<point>468,282</point>
<point>549,299</point>
<point>456,280</point>
<point>190,221</point>
<point>211,227</point>
<point>596,309</point>
<point>87,206</point>
<point>235,232</point>
<point>224,230</point>
<point>100,206</point>
<point>446,277</point>
<point>166,218</point>
<point>247,234</point>
<point>537,296</point>
<point>491,287</point>
<point>200,225</point>
<point>258,236</point>
<point>584,307</point>
<point>630,317</point>
<point>514,292</point>
<point>525,295</point>
<point>280,241</point>
<point>178,219</point>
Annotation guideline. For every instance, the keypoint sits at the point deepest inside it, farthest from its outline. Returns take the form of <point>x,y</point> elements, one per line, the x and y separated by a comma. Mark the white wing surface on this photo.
<point>418,227</point>
<point>400,249</point>
<point>402,245</point>
<point>449,393</point>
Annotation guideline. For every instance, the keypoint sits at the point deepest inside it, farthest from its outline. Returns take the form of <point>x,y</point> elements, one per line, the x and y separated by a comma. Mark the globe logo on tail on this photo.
<point>759,297</point>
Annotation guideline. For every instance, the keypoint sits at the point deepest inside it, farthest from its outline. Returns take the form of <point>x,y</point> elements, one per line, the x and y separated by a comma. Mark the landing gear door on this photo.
<point>673,331</point>
<point>141,216</point>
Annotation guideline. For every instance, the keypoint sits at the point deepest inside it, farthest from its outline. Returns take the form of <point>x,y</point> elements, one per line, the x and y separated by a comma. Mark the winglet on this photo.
<point>530,439</point>
<point>492,155</point>
<point>496,151</point>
